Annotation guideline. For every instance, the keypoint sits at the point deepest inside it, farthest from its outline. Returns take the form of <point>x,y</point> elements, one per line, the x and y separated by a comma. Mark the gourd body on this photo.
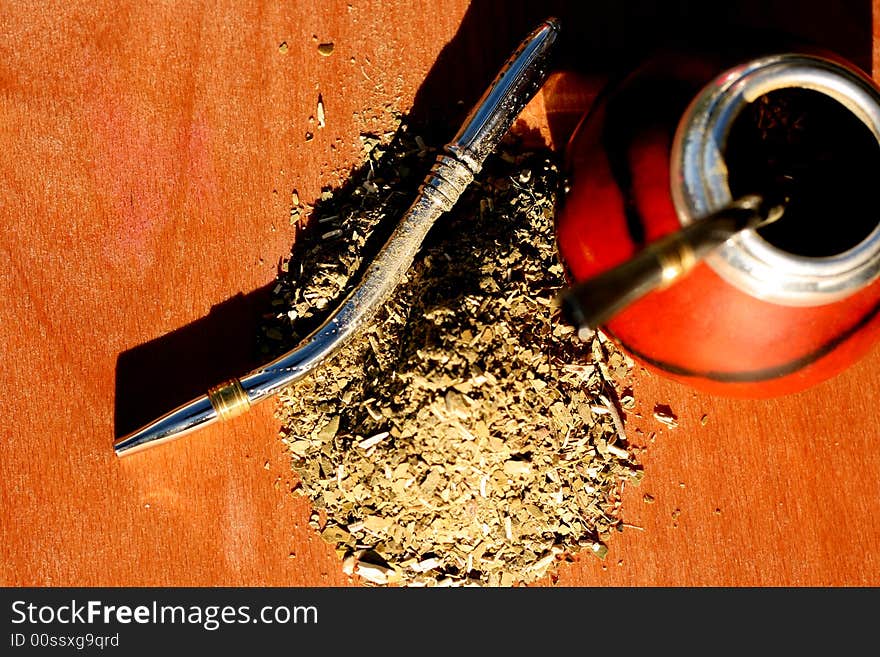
<point>701,330</point>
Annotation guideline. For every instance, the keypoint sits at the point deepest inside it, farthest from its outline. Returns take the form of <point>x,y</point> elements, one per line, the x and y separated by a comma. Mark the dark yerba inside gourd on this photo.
<point>806,146</point>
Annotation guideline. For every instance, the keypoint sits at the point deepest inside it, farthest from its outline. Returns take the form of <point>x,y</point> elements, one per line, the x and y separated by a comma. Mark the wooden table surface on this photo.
<point>149,151</point>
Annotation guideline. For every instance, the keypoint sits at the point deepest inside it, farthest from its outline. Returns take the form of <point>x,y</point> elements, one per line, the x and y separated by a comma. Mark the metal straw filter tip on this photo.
<point>490,119</point>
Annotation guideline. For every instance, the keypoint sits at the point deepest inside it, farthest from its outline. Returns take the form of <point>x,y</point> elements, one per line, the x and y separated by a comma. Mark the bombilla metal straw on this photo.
<point>589,304</point>
<point>519,79</point>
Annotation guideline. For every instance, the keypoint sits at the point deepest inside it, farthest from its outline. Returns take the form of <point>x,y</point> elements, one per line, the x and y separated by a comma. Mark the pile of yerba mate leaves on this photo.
<point>468,436</point>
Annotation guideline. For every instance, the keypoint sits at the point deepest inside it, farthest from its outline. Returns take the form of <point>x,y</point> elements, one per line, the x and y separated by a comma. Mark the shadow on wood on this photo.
<point>162,374</point>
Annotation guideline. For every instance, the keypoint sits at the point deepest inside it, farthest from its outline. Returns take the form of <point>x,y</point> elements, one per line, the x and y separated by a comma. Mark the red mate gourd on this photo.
<point>773,310</point>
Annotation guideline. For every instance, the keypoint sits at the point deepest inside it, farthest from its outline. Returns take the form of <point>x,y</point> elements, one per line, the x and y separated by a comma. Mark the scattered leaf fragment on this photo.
<point>663,414</point>
<point>320,111</point>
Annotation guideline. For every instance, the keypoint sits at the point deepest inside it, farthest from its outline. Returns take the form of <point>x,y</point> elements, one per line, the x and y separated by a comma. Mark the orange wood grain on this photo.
<point>148,155</point>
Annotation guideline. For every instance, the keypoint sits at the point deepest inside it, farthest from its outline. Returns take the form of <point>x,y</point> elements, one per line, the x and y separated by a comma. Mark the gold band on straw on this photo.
<point>229,399</point>
<point>676,262</point>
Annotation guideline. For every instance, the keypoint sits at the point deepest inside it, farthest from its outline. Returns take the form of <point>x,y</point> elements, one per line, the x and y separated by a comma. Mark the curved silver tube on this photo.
<point>489,120</point>
<point>448,179</point>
